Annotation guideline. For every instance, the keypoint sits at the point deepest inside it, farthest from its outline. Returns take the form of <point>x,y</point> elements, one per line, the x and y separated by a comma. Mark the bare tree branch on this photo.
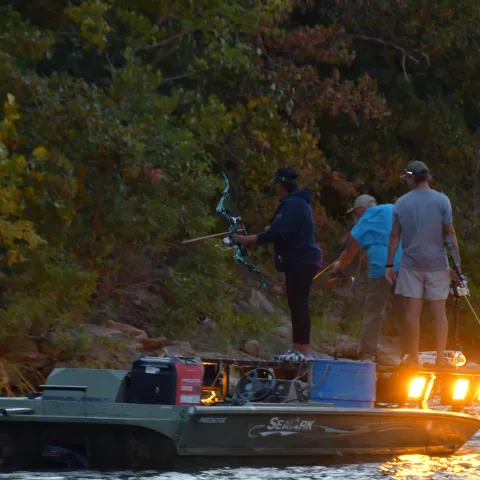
<point>159,56</point>
<point>183,75</point>
<point>404,68</point>
<point>425,56</point>
<point>166,41</point>
<point>387,43</point>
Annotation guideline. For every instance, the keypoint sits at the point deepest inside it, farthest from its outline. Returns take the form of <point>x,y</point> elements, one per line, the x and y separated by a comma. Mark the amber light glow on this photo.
<point>465,465</point>
<point>461,389</point>
<point>417,387</point>
<point>213,398</point>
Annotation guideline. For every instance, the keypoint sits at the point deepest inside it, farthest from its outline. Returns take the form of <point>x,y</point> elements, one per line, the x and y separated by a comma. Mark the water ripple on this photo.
<point>463,465</point>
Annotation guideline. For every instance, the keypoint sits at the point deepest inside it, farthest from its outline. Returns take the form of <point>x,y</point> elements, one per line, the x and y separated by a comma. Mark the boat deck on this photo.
<point>393,382</point>
<point>254,363</point>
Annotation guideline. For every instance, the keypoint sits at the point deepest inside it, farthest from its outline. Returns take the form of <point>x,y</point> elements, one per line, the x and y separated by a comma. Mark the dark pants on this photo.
<point>299,283</point>
<point>378,291</point>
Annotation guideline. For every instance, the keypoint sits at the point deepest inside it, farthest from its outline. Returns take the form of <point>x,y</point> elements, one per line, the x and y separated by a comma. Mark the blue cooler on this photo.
<point>345,383</point>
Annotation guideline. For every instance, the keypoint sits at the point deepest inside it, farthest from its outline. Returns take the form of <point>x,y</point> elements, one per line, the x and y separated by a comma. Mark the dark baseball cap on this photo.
<point>415,167</point>
<point>285,174</point>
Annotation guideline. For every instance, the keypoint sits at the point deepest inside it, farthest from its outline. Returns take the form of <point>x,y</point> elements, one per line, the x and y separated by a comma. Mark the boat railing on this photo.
<point>425,386</point>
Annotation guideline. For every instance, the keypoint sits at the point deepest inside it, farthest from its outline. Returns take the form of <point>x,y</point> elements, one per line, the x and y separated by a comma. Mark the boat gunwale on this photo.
<point>278,408</point>
<point>380,369</point>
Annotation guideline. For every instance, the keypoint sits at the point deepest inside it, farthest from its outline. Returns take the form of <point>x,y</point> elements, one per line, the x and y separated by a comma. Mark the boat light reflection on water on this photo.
<point>408,467</point>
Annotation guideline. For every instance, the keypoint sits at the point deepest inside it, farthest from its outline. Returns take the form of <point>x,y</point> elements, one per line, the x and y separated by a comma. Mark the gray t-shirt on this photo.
<point>421,215</point>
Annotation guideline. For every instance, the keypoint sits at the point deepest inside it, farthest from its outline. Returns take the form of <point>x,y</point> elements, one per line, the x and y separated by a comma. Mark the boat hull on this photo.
<point>34,445</point>
<point>314,431</point>
<point>104,435</point>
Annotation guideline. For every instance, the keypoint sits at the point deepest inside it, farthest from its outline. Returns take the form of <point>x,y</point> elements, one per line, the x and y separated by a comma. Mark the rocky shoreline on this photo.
<point>25,362</point>
<point>116,345</point>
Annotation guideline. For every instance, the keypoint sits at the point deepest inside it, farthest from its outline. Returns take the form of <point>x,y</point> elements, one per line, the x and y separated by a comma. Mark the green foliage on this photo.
<point>198,285</point>
<point>126,112</point>
<point>42,288</point>
<point>18,234</point>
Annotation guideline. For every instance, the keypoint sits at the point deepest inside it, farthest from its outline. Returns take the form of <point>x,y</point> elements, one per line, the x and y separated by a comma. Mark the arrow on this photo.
<point>208,236</point>
<point>323,271</point>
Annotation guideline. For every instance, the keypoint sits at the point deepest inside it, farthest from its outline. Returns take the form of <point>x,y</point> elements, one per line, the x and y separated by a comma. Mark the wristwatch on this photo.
<point>389,266</point>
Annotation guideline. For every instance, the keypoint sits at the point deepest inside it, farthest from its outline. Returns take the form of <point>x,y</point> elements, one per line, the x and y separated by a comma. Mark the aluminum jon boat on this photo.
<point>167,411</point>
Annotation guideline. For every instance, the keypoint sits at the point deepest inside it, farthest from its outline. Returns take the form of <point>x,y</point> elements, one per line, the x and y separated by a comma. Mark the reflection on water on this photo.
<point>421,467</point>
<point>464,465</point>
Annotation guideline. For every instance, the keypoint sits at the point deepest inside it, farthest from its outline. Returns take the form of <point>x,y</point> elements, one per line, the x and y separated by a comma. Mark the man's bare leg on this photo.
<point>441,326</point>
<point>413,308</point>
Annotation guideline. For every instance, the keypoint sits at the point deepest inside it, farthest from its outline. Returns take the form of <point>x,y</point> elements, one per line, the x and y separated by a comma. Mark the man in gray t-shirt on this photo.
<point>421,218</point>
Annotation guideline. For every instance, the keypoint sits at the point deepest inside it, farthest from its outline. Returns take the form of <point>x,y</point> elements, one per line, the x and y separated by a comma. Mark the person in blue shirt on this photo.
<point>296,254</point>
<point>372,233</point>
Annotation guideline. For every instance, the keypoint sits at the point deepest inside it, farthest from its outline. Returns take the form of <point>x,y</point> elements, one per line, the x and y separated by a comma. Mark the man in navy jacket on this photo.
<point>296,254</point>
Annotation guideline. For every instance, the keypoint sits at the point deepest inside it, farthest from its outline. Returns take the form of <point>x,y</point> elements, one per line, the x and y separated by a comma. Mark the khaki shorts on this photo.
<point>428,285</point>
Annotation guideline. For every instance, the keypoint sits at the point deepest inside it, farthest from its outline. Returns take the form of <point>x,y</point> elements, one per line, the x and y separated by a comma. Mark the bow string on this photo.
<point>234,225</point>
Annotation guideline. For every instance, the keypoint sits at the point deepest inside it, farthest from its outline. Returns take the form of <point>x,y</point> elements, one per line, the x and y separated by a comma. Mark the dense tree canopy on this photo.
<point>119,116</point>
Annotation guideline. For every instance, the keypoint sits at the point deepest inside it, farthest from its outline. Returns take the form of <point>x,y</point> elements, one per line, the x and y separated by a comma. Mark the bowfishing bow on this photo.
<point>458,288</point>
<point>235,224</point>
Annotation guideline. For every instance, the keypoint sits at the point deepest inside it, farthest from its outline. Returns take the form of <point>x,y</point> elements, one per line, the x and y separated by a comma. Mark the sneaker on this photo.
<point>452,357</point>
<point>292,356</point>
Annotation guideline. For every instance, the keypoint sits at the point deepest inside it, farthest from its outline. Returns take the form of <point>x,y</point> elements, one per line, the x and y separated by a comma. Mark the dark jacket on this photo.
<point>292,232</point>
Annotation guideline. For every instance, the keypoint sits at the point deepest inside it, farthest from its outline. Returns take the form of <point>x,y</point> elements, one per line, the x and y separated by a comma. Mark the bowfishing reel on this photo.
<point>458,287</point>
<point>228,243</point>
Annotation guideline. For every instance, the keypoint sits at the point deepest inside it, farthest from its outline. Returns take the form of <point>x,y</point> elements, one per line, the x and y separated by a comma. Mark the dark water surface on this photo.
<point>465,464</point>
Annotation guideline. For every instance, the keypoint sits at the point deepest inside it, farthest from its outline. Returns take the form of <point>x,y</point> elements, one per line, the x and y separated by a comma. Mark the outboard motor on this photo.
<point>166,381</point>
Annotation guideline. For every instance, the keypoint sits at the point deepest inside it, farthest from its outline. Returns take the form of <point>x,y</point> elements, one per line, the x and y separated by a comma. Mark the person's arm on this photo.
<point>245,240</point>
<point>347,256</point>
<point>449,230</point>
<point>286,224</point>
<point>393,242</point>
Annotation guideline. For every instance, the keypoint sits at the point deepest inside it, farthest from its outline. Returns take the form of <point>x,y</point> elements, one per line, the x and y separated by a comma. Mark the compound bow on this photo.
<point>234,225</point>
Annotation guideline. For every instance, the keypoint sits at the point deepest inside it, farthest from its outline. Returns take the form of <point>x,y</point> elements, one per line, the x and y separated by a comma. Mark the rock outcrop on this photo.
<point>110,343</point>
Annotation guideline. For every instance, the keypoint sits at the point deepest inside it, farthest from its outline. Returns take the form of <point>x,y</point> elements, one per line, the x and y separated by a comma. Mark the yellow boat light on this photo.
<point>416,387</point>
<point>461,389</point>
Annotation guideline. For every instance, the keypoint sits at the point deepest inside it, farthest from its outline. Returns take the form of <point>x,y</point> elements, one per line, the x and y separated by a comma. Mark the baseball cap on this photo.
<point>285,174</point>
<point>363,201</point>
<point>415,167</point>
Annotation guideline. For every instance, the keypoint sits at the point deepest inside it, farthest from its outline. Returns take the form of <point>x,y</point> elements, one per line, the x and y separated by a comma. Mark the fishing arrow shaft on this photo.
<point>208,236</point>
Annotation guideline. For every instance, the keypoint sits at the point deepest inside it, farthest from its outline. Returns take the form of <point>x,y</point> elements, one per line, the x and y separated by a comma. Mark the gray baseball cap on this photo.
<point>363,201</point>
